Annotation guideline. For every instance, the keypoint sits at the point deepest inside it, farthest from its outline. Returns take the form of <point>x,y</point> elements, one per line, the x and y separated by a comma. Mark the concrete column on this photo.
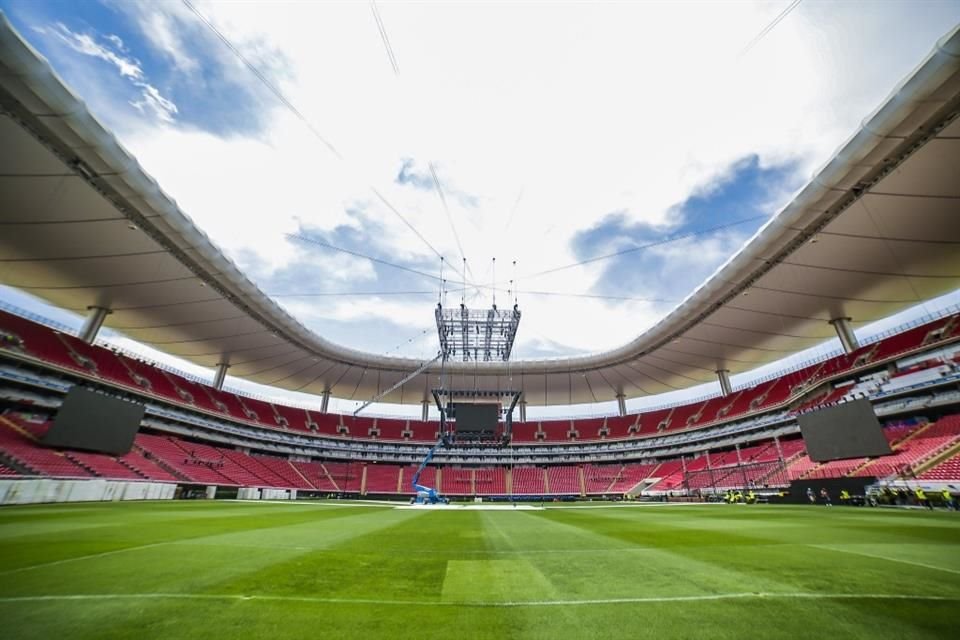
<point>743,472</point>
<point>220,375</point>
<point>523,411</point>
<point>424,410</point>
<point>847,338</point>
<point>723,376</point>
<point>325,401</point>
<point>91,326</point>
<point>621,404</point>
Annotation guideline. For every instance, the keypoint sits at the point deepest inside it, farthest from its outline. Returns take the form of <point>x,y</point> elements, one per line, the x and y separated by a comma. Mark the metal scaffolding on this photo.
<point>477,335</point>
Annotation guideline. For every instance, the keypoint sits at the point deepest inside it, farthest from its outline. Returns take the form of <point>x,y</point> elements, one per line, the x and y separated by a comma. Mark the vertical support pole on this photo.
<point>523,410</point>
<point>782,464</point>
<point>723,376</point>
<point>621,404</point>
<point>220,375</point>
<point>424,410</point>
<point>847,338</point>
<point>325,401</point>
<point>91,326</point>
<point>743,472</point>
<point>683,465</point>
<point>713,478</point>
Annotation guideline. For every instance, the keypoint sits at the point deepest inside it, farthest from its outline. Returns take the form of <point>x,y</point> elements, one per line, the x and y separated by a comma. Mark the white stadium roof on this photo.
<point>875,231</point>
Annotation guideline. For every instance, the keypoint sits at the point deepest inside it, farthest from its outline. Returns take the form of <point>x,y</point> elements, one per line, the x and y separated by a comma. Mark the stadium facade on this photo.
<point>874,232</point>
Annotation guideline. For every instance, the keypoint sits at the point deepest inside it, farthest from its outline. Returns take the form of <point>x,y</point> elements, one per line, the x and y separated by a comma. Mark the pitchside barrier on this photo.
<point>32,491</point>
<point>748,475</point>
<point>855,486</point>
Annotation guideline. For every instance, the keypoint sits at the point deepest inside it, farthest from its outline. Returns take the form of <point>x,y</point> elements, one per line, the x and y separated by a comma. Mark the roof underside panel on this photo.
<point>874,232</point>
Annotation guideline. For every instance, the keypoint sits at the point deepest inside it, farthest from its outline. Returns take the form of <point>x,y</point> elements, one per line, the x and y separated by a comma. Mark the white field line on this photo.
<point>887,558</point>
<point>479,604</point>
<point>79,558</point>
<point>307,503</point>
<point>630,505</point>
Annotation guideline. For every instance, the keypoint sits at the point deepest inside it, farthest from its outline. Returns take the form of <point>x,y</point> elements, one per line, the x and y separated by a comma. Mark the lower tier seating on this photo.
<point>169,458</point>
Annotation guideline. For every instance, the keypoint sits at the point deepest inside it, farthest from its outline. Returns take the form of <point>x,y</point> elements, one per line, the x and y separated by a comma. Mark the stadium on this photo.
<point>719,396</point>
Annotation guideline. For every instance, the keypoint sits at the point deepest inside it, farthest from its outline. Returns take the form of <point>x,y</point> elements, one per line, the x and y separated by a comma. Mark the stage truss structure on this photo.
<point>506,399</point>
<point>477,335</point>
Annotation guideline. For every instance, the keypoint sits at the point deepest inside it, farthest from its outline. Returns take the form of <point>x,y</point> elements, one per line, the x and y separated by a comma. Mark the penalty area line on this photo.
<point>491,605</point>
<point>880,557</point>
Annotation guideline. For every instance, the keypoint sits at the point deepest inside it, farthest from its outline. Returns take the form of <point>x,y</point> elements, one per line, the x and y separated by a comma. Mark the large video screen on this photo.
<point>846,430</point>
<point>477,418</point>
<point>92,421</point>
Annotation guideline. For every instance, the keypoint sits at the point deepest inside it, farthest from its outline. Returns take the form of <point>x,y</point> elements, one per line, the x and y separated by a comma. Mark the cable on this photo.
<point>320,294</point>
<point>513,210</point>
<point>293,109</point>
<point>446,210</point>
<point>295,236</point>
<point>767,29</point>
<point>415,338</point>
<point>383,36</point>
<point>475,288</point>
<point>657,243</point>
<point>414,229</point>
<point>597,296</point>
<point>263,79</point>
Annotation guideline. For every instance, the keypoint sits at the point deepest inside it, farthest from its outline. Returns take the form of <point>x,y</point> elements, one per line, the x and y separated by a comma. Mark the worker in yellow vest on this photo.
<point>948,499</point>
<point>922,498</point>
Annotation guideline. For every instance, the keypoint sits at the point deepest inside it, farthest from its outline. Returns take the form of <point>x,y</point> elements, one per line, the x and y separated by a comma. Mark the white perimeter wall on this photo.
<point>34,490</point>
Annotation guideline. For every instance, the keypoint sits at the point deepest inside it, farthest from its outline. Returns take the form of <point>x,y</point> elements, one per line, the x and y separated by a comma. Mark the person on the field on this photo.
<point>948,501</point>
<point>810,497</point>
<point>844,497</point>
<point>825,496</point>
<point>922,498</point>
<point>751,497</point>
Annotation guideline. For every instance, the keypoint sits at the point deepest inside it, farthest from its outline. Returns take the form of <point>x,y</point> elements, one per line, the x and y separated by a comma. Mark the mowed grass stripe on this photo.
<point>724,572</point>
<point>133,526</point>
<point>176,566</point>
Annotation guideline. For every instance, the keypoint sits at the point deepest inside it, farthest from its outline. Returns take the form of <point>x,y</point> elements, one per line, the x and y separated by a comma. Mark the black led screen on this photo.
<point>846,430</point>
<point>92,421</point>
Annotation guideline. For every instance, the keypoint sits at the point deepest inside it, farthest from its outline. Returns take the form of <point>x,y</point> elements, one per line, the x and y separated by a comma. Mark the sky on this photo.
<point>543,135</point>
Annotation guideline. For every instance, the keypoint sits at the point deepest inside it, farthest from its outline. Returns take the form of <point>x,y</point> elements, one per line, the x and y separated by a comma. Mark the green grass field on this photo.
<point>244,570</point>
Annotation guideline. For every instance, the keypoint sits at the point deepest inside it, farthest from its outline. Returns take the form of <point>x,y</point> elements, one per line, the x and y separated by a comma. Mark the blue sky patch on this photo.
<point>187,78</point>
<point>748,192</point>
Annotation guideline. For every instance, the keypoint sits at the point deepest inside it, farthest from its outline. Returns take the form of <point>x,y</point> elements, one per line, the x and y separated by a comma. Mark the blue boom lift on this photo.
<point>427,495</point>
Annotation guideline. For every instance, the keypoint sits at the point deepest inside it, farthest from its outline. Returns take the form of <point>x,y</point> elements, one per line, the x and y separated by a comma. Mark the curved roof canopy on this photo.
<point>875,231</point>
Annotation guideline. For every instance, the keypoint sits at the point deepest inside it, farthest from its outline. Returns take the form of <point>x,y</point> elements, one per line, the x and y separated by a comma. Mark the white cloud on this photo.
<point>585,109</point>
<point>85,44</point>
<point>161,31</point>
<point>151,101</point>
